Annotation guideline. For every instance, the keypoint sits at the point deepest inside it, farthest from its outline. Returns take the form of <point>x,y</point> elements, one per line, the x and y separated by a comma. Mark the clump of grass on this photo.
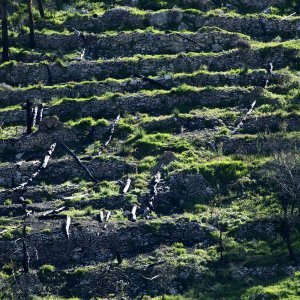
<point>46,269</point>
<point>86,123</point>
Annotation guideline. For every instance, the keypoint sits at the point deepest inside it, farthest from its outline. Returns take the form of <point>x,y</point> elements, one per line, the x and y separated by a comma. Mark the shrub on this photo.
<point>47,269</point>
<point>8,202</point>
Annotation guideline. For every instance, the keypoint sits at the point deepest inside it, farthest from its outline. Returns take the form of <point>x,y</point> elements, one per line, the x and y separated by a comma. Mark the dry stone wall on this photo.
<point>120,18</point>
<point>122,68</point>
<point>89,242</point>
<point>15,96</point>
<point>61,169</point>
<point>124,44</point>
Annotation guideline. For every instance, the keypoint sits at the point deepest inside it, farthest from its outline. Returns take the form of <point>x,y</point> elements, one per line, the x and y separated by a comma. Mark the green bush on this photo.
<point>47,269</point>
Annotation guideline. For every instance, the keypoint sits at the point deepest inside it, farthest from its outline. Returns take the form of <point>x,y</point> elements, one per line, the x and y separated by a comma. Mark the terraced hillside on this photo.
<point>150,150</point>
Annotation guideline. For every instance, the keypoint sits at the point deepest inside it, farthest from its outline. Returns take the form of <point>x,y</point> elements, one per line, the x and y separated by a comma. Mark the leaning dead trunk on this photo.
<point>42,166</point>
<point>41,8</point>
<point>112,130</point>
<point>241,123</point>
<point>4,31</point>
<point>76,158</point>
<point>31,24</point>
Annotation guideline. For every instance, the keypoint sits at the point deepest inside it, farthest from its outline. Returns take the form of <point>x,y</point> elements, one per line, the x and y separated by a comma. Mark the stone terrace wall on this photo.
<point>120,18</point>
<point>90,243</point>
<point>264,145</point>
<point>86,70</point>
<point>63,169</point>
<point>209,4</point>
<point>157,104</point>
<point>16,96</point>
<point>125,44</point>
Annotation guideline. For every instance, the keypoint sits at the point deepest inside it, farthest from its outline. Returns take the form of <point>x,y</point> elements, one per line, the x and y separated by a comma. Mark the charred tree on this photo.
<point>40,113</point>
<point>67,227</point>
<point>101,216</point>
<point>132,215</point>
<point>31,24</point>
<point>127,186</point>
<point>25,259</point>
<point>41,8</point>
<point>29,119</point>
<point>34,115</point>
<point>222,226</point>
<point>49,74</point>
<point>4,31</point>
<point>282,176</point>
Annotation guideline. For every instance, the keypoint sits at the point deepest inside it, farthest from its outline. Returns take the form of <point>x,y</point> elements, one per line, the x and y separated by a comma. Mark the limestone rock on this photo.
<point>164,18</point>
<point>216,48</point>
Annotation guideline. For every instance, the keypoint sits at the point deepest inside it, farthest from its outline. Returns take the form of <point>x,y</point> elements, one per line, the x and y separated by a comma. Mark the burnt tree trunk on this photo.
<point>41,8</point>
<point>34,115</point>
<point>67,227</point>
<point>31,24</point>
<point>29,117</point>
<point>40,114</point>
<point>221,245</point>
<point>76,158</point>
<point>127,186</point>
<point>112,130</point>
<point>132,216</point>
<point>25,260</point>
<point>286,235</point>
<point>43,166</point>
<point>4,31</point>
<point>101,216</point>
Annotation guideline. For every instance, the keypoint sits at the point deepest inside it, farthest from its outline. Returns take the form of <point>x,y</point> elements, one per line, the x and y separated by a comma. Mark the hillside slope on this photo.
<point>150,150</point>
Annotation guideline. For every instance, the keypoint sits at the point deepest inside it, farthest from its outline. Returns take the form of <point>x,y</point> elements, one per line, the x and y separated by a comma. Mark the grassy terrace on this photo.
<point>182,75</point>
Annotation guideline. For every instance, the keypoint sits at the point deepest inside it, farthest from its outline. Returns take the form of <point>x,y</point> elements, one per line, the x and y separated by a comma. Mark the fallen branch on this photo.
<point>152,278</point>
<point>54,211</point>
<point>287,17</point>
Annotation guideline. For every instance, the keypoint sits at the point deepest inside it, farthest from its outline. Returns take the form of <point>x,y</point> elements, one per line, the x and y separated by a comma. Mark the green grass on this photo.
<point>288,288</point>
